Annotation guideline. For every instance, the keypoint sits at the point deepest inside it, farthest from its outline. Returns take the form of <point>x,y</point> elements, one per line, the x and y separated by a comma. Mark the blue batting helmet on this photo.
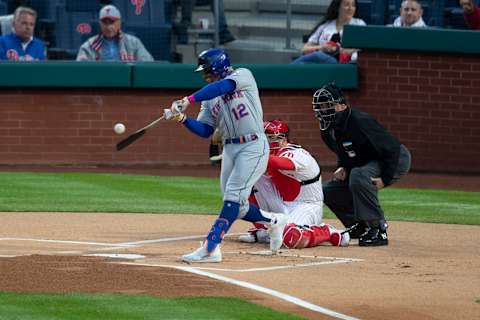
<point>214,61</point>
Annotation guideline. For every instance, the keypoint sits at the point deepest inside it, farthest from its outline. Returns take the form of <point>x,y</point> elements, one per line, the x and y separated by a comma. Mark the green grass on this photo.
<point>86,192</point>
<point>90,192</point>
<point>125,307</point>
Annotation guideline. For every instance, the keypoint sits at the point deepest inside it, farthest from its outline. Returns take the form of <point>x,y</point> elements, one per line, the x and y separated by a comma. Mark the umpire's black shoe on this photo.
<point>357,230</point>
<point>373,238</point>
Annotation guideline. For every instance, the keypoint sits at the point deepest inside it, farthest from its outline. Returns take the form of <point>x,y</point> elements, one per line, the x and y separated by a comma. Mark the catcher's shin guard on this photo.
<point>298,237</point>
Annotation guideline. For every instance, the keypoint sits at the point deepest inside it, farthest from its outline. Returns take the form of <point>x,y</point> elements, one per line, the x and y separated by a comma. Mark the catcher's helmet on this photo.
<point>214,61</point>
<point>324,101</point>
<point>276,131</point>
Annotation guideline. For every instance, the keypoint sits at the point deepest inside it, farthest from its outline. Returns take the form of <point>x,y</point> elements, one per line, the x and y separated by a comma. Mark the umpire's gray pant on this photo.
<point>356,198</point>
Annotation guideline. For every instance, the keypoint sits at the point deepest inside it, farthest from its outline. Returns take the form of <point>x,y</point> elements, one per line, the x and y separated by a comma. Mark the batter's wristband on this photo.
<point>191,99</point>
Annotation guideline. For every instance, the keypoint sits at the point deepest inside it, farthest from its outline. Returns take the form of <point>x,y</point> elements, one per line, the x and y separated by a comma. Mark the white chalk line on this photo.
<point>288,266</point>
<point>136,243</point>
<point>131,244</point>
<point>65,241</point>
<point>200,271</point>
<point>251,286</point>
<point>290,254</point>
<point>113,246</point>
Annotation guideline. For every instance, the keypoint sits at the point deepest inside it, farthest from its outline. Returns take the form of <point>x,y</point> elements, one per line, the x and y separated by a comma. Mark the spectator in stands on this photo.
<point>21,45</point>
<point>324,43</point>
<point>6,24</point>
<point>187,7</point>
<point>471,13</point>
<point>112,44</point>
<point>410,15</point>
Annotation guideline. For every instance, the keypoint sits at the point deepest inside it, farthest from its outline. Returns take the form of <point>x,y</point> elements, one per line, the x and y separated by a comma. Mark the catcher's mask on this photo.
<point>277,131</point>
<point>214,61</point>
<point>324,101</point>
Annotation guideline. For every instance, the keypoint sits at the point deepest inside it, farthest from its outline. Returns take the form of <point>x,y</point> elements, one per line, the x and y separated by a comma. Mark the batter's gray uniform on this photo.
<point>239,116</point>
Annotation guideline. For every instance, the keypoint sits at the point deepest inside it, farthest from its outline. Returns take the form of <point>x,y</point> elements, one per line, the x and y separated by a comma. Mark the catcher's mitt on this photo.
<point>217,137</point>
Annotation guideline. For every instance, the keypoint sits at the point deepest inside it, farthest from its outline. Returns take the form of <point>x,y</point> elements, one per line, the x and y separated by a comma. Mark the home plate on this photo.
<point>116,255</point>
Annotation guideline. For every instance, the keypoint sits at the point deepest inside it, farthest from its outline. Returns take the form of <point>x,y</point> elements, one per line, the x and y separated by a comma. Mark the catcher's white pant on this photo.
<point>299,212</point>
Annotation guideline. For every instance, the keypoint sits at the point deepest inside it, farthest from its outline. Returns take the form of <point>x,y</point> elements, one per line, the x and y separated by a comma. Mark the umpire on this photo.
<point>369,159</point>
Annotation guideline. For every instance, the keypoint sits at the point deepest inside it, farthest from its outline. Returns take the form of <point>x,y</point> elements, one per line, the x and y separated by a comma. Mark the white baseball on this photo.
<point>119,128</point>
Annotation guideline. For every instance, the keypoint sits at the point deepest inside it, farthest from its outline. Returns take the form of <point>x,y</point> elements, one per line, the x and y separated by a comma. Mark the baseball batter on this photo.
<point>293,186</point>
<point>231,103</point>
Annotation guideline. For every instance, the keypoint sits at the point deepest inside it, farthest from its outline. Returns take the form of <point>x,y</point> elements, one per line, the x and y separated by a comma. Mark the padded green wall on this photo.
<point>165,75</point>
<point>65,74</point>
<point>412,39</point>
<point>268,76</point>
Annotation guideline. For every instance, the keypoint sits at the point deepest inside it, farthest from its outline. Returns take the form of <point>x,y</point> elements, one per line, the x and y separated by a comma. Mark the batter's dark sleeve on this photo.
<point>199,128</point>
<point>386,146</point>
<point>215,89</point>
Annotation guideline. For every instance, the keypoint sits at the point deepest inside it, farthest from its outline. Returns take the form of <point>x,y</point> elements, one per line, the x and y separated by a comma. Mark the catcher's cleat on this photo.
<point>340,239</point>
<point>374,237</point>
<point>255,235</point>
<point>278,223</point>
<point>201,255</point>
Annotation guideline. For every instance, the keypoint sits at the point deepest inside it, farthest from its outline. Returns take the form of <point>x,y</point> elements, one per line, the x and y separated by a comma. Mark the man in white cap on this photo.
<point>112,44</point>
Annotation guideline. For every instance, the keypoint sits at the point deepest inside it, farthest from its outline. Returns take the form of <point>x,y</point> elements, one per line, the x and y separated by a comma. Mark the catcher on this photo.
<point>292,185</point>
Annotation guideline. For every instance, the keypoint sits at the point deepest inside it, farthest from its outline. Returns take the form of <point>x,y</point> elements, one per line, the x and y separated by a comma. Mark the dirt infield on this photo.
<point>429,271</point>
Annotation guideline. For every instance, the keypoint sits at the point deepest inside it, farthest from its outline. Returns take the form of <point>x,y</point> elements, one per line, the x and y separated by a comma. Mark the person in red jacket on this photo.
<point>292,185</point>
<point>471,13</point>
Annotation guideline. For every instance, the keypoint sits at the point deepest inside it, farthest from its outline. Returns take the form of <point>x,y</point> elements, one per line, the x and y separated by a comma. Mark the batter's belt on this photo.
<point>242,139</point>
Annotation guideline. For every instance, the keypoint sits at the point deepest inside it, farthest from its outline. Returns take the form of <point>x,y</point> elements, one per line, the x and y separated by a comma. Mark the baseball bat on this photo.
<point>137,134</point>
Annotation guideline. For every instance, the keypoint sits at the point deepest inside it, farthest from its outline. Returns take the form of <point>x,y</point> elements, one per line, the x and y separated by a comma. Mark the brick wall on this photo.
<point>431,102</point>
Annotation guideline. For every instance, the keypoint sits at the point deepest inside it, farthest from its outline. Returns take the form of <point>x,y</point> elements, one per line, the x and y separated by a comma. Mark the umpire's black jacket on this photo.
<point>357,138</point>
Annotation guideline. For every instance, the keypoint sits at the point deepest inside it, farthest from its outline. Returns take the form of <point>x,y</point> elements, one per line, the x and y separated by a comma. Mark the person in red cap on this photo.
<point>471,13</point>
<point>112,44</point>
